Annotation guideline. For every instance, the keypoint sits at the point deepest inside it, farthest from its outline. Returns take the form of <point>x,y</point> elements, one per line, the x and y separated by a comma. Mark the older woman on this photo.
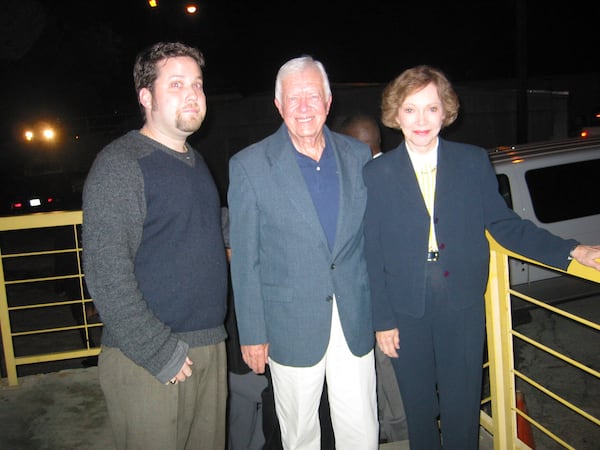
<point>430,202</point>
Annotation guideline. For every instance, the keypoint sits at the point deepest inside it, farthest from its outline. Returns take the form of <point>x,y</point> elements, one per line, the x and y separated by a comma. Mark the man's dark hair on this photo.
<point>145,69</point>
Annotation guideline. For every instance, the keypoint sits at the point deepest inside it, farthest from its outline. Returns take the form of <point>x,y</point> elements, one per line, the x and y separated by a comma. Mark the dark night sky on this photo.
<point>75,57</point>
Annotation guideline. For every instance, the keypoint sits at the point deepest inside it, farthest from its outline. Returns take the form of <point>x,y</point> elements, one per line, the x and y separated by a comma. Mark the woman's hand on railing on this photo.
<point>588,255</point>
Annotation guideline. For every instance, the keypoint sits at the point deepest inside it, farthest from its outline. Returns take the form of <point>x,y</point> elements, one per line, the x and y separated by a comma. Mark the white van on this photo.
<point>556,185</point>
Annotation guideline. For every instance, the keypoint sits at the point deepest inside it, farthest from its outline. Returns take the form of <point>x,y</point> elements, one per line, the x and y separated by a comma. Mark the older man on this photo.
<point>302,298</point>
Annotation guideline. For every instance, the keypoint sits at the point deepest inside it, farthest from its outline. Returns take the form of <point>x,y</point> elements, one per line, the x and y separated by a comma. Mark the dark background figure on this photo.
<point>245,405</point>
<point>365,128</point>
<point>244,402</point>
<point>392,418</point>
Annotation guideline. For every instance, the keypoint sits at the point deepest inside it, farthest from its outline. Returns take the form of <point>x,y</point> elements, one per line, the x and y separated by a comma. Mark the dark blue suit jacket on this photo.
<point>467,203</point>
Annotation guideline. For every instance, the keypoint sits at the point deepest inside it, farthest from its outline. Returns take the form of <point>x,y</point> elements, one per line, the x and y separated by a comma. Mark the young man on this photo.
<point>155,265</point>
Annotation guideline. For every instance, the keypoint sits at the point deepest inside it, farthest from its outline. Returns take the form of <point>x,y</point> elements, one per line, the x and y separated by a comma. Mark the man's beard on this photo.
<point>189,124</point>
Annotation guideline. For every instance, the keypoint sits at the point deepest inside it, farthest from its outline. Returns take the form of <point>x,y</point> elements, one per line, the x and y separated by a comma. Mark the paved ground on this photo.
<point>64,408</point>
<point>573,384</point>
<point>58,410</point>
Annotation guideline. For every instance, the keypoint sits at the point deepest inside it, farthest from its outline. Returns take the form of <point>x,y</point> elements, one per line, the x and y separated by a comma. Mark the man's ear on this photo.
<point>278,106</point>
<point>145,98</point>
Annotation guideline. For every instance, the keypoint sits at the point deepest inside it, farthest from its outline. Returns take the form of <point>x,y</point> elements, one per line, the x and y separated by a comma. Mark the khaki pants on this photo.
<point>146,414</point>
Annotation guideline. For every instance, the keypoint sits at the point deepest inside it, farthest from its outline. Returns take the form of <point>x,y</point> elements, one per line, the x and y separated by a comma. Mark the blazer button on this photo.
<point>333,266</point>
<point>329,298</point>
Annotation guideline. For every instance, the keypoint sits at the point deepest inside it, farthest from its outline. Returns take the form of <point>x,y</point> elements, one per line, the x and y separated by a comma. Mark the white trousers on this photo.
<point>351,387</point>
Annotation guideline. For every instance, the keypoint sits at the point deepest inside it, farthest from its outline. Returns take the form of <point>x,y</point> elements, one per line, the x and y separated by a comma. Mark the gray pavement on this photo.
<point>58,410</point>
<point>580,343</point>
<point>65,409</point>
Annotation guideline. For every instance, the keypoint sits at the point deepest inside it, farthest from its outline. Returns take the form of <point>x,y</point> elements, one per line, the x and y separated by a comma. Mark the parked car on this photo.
<point>39,193</point>
<point>555,185</point>
<point>34,203</point>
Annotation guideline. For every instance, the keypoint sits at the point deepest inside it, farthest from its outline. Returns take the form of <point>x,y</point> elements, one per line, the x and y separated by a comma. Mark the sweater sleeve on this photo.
<point>113,217</point>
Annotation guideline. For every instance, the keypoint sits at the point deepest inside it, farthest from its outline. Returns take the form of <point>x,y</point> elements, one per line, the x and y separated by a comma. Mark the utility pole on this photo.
<point>521,64</point>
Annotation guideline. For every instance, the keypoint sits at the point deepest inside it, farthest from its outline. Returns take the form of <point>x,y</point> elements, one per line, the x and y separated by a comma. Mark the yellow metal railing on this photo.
<point>20,297</point>
<point>39,255</point>
<point>503,377</point>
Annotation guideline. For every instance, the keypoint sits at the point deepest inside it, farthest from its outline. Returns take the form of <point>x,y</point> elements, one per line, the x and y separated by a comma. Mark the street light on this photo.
<point>41,132</point>
<point>191,8</point>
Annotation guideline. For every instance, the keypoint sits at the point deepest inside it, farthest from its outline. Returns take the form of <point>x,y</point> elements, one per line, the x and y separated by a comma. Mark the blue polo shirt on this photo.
<point>323,185</point>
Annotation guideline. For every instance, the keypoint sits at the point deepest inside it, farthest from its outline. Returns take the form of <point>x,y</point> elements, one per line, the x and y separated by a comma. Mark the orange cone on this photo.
<point>524,432</point>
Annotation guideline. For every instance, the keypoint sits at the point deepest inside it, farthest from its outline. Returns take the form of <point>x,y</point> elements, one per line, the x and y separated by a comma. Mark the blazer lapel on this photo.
<point>352,204</point>
<point>406,184</point>
<point>447,173</point>
<point>287,176</point>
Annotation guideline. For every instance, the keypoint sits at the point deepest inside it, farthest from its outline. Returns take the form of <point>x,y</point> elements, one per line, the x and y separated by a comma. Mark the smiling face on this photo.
<point>421,116</point>
<point>175,105</point>
<point>304,104</point>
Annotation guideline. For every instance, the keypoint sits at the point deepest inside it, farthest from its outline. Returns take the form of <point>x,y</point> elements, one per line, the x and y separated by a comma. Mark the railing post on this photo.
<point>42,220</point>
<point>7,342</point>
<point>500,351</point>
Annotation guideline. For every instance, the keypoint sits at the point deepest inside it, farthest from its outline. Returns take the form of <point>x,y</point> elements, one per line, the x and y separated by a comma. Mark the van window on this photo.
<point>564,192</point>
<point>504,188</point>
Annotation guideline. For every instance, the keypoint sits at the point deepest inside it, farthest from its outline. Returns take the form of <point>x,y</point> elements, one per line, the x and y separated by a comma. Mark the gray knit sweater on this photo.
<point>153,252</point>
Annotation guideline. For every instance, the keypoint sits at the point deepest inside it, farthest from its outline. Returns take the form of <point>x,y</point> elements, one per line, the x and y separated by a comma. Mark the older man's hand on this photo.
<point>256,356</point>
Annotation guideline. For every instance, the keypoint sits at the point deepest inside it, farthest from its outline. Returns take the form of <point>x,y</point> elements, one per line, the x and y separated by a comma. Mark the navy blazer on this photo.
<point>283,273</point>
<point>467,203</point>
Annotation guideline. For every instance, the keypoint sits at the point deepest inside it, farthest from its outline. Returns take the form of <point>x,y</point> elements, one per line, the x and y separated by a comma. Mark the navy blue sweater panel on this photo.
<point>181,264</point>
